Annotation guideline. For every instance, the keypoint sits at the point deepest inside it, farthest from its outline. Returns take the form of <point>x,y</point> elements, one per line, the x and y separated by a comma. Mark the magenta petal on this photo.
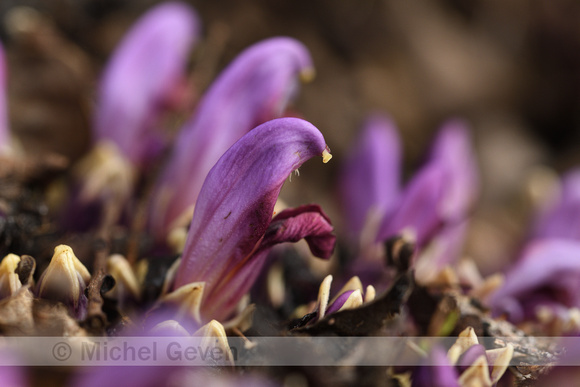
<point>308,222</point>
<point>339,302</point>
<point>561,219</point>
<point>237,200</point>
<point>548,269</point>
<point>252,90</point>
<point>143,73</point>
<point>370,179</point>
<point>469,357</point>
<point>448,244</point>
<point>291,225</point>
<point>12,375</point>
<point>437,372</point>
<point>420,209</point>
<point>452,148</point>
<point>127,376</point>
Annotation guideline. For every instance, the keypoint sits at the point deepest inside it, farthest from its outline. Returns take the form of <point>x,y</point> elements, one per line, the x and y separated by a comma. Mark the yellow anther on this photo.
<point>326,156</point>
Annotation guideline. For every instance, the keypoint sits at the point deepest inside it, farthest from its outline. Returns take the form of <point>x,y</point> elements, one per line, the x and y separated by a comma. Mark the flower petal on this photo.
<point>253,89</point>
<point>437,371</point>
<point>549,270</point>
<point>443,250</point>
<point>452,147</point>
<point>420,209</point>
<point>236,202</point>
<point>469,357</point>
<point>144,71</point>
<point>307,222</point>
<point>11,374</point>
<point>370,178</point>
<point>561,218</point>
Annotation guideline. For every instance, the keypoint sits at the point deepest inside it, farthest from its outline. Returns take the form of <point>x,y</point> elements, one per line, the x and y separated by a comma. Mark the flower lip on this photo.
<point>228,239</point>
<point>544,263</point>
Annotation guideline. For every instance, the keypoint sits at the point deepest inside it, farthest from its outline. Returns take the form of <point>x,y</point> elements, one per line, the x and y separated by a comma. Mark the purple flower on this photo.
<point>139,376</point>
<point>370,182</point>
<point>437,371</point>
<point>143,77</point>
<point>544,283</point>
<point>543,280</point>
<point>561,216</point>
<point>232,228</point>
<point>441,193</point>
<point>12,375</point>
<point>431,209</point>
<point>254,89</point>
<point>140,80</point>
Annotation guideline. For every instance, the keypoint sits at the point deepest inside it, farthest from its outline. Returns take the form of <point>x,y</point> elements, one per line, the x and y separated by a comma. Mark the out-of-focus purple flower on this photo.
<point>561,217</point>
<point>452,148</point>
<point>431,209</point>
<point>544,283</point>
<point>143,76</point>
<point>544,279</point>
<point>436,372</point>
<point>255,88</point>
<point>167,377</point>
<point>441,193</point>
<point>12,375</point>
<point>370,180</point>
<point>232,228</point>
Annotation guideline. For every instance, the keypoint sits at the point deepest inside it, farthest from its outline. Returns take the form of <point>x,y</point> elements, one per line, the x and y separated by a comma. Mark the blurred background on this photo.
<point>511,69</point>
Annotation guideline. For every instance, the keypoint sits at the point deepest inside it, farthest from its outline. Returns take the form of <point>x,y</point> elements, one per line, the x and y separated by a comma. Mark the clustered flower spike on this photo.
<point>142,78</point>
<point>230,161</point>
<point>253,89</point>
<point>232,228</point>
